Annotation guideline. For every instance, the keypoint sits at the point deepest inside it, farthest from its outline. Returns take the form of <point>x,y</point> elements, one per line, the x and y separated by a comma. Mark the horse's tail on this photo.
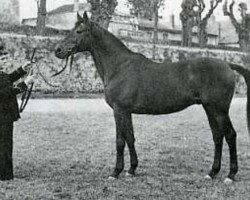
<point>245,72</point>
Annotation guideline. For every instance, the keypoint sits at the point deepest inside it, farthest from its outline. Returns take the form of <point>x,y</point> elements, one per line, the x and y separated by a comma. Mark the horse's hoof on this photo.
<point>129,175</point>
<point>228,181</point>
<point>207,177</point>
<point>111,178</point>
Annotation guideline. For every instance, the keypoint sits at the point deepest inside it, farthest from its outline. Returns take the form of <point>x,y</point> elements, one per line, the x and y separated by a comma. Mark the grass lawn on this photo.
<point>65,149</point>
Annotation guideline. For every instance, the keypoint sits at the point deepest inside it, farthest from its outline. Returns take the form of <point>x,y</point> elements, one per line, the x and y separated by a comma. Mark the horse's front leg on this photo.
<point>124,132</point>
<point>130,140</point>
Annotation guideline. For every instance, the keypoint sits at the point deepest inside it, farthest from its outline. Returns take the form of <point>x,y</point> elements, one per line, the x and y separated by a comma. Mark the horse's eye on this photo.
<point>79,31</point>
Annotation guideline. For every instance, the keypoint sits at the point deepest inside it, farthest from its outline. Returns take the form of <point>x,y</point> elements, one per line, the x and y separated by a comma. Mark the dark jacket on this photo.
<point>9,110</point>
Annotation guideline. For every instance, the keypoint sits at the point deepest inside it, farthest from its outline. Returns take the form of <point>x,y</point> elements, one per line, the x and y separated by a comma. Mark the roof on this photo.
<point>68,8</point>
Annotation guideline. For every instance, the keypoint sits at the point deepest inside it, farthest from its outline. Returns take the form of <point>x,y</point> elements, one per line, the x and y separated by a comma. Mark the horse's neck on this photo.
<point>108,53</point>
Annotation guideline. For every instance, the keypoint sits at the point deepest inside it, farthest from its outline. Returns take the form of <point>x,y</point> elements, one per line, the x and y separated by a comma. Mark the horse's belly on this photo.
<point>153,111</point>
<point>161,107</point>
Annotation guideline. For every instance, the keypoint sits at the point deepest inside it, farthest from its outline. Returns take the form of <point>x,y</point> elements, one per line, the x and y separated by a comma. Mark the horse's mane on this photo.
<point>97,29</point>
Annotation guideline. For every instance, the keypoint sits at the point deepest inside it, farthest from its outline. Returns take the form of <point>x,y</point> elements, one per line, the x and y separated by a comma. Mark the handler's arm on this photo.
<point>10,90</point>
<point>17,74</point>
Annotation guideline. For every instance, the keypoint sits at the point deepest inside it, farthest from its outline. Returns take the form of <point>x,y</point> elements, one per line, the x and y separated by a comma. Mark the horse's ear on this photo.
<point>79,18</point>
<point>85,17</point>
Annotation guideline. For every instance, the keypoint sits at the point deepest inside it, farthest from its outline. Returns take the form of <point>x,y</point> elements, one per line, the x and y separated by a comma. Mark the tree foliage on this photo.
<point>145,8</point>
<point>102,11</point>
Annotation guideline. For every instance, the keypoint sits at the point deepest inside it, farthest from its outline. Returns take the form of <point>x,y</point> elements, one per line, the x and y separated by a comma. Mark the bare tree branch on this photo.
<point>230,13</point>
<point>213,6</point>
<point>241,27</point>
<point>202,21</point>
<point>201,6</point>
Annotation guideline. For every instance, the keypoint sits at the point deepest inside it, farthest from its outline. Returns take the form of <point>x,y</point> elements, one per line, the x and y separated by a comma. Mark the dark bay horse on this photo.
<point>135,84</point>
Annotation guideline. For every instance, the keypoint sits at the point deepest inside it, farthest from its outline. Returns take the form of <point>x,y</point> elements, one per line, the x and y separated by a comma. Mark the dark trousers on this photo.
<point>6,149</point>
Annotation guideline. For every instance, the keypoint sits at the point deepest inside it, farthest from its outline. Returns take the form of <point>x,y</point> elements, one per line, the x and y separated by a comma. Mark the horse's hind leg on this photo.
<point>221,126</point>
<point>216,122</point>
<point>231,141</point>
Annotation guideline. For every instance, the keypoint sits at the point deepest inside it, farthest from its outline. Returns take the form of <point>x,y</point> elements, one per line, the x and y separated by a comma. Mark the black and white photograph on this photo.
<point>124,99</point>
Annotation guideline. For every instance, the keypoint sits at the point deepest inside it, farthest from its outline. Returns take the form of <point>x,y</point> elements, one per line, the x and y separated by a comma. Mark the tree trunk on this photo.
<point>155,36</point>
<point>184,41</point>
<point>202,35</point>
<point>244,46</point>
<point>95,10</point>
<point>244,38</point>
<point>187,31</point>
<point>190,31</point>
<point>187,17</point>
<point>41,17</point>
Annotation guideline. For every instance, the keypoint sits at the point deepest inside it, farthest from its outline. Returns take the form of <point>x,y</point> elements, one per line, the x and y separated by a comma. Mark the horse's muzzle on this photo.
<point>59,53</point>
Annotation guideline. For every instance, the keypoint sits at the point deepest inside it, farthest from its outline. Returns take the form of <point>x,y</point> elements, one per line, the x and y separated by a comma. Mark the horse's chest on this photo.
<point>123,94</point>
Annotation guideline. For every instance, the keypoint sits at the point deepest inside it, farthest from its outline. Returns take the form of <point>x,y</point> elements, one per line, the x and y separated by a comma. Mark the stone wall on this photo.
<point>82,78</point>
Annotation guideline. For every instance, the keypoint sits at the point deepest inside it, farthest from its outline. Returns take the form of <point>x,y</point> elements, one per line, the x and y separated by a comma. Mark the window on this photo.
<point>165,37</point>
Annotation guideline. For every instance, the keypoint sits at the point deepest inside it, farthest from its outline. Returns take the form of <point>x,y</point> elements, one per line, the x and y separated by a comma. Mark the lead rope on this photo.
<point>27,93</point>
<point>65,66</point>
<point>44,79</point>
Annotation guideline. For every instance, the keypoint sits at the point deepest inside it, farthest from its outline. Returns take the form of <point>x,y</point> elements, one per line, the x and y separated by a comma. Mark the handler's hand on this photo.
<point>27,66</point>
<point>21,86</point>
<point>30,79</point>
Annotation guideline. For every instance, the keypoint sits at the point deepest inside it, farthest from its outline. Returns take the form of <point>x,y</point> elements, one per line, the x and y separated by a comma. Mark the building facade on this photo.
<point>9,11</point>
<point>125,26</point>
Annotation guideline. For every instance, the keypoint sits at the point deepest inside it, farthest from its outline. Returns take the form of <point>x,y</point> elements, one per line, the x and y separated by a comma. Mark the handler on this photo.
<point>9,113</point>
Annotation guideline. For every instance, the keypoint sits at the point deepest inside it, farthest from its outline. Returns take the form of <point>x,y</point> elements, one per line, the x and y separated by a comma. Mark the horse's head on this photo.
<point>77,40</point>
